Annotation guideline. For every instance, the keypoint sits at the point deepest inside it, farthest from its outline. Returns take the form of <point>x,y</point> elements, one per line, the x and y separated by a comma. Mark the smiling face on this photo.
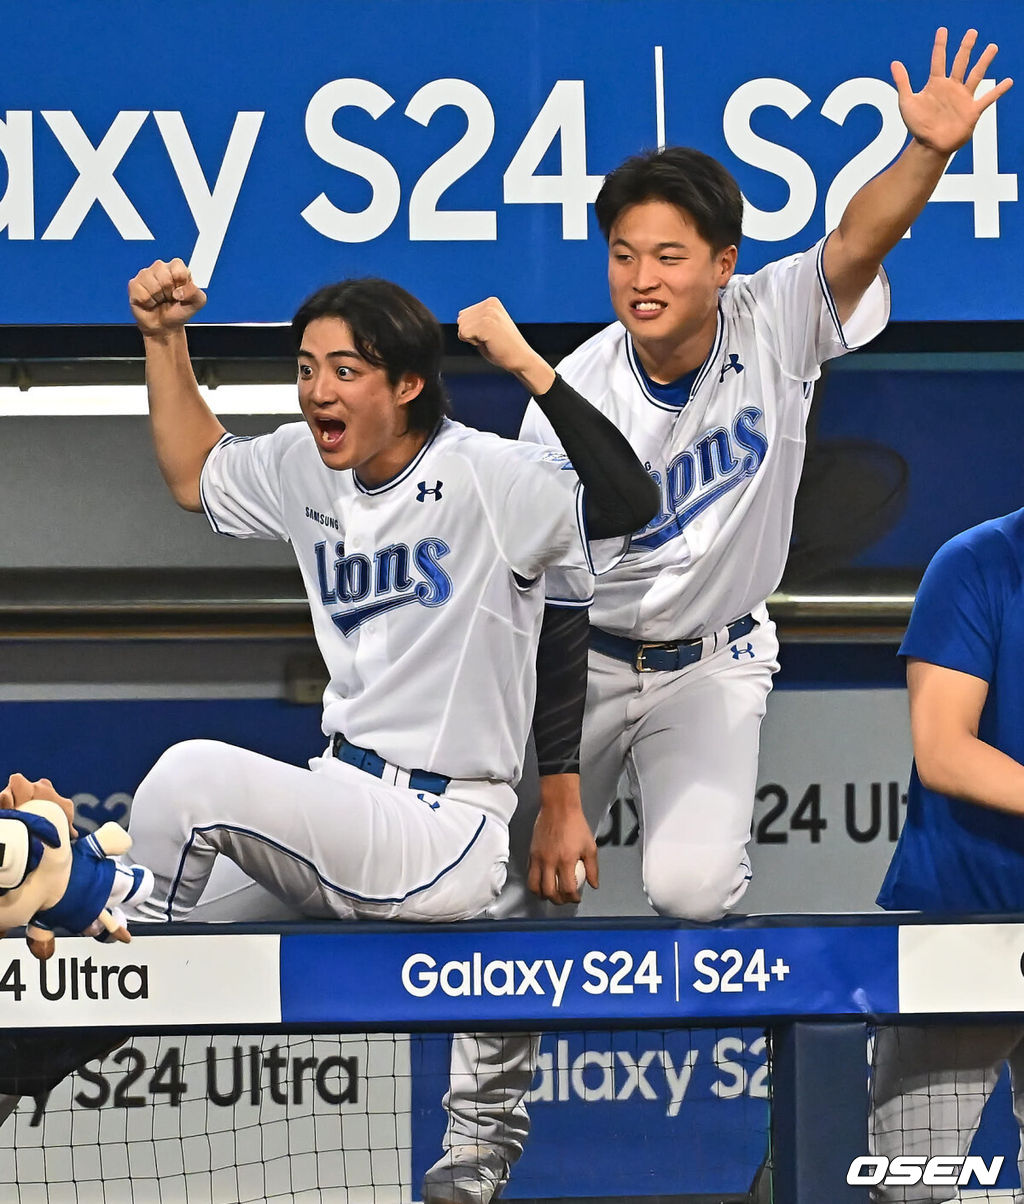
<point>356,414</point>
<point>663,278</point>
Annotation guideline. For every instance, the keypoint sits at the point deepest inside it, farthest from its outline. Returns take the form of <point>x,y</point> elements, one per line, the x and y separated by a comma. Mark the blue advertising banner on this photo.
<point>542,976</point>
<point>624,1115</point>
<point>457,148</point>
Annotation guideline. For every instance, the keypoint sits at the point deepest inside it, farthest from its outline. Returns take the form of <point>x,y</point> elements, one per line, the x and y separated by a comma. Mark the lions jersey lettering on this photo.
<point>387,573</point>
<point>416,584</point>
<point>697,477</point>
<point>727,456</point>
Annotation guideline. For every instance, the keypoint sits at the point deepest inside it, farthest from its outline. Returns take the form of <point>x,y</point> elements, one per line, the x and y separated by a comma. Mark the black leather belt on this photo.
<point>368,761</point>
<point>650,658</point>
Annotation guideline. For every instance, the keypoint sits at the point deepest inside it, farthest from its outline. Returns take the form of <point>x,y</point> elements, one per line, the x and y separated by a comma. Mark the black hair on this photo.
<point>392,330</point>
<point>684,177</point>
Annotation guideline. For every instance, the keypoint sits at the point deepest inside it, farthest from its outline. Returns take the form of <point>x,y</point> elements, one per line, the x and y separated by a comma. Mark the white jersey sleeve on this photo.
<point>240,485</point>
<point>525,494</point>
<point>563,585</point>
<point>804,318</point>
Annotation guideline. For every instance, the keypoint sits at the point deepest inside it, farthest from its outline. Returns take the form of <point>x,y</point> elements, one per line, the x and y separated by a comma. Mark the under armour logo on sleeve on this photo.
<point>733,362</point>
<point>421,496</point>
<point>737,651</point>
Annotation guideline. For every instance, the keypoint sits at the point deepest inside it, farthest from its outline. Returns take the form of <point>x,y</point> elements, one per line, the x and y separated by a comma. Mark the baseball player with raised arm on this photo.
<point>422,546</point>
<point>709,374</point>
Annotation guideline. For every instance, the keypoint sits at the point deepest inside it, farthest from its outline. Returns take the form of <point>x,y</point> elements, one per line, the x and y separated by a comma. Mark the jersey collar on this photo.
<point>675,396</point>
<point>401,475</point>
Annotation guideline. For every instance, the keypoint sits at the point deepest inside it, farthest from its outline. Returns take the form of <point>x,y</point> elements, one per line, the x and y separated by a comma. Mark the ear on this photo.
<point>725,264</point>
<point>44,789</point>
<point>41,943</point>
<point>409,388</point>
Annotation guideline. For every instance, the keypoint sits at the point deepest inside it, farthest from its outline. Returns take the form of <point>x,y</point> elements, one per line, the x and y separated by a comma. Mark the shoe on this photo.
<point>467,1174</point>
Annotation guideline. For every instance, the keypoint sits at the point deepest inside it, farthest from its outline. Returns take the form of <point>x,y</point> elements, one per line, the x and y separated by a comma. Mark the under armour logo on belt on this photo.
<point>737,651</point>
<point>733,362</point>
<point>434,806</point>
<point>423,491</point>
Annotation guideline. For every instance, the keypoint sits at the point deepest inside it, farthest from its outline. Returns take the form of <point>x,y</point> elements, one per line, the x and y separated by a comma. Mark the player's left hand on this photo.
<point>942,116</point>
<point>488,327</point>
<point>561,838</point>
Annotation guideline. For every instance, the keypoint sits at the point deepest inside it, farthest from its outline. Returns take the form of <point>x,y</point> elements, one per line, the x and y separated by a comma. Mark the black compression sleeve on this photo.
<point>620,497</point>
<point>561,689</point>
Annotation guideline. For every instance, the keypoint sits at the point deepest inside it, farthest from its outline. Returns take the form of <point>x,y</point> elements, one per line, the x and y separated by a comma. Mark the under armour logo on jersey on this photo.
<point>432,805</point>
<point>421,496</point>
<point>737,651</point>
<point>733,362</point>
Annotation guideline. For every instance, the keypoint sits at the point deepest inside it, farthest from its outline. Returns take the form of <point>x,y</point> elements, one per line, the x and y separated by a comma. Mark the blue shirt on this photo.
<point>88,889</point>
<point>954,855</point>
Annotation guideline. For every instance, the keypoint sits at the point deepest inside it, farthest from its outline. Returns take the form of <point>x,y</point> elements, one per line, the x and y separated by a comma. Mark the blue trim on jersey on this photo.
<point>716,346</point>
<point>581,523</point>
<point>400,476</point>
<point>310,865</point>
<point>569,603</point>
<point>645,382</point>
<point>830,303</point>
<point>675,394</point>
<point>223,441</point>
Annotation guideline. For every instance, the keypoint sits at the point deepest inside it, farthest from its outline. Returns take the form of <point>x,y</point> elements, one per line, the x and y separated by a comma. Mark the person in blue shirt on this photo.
<point>962,844</point>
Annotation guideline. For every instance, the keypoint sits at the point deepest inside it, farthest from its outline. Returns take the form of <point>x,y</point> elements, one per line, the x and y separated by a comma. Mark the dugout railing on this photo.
<point>815,982</point>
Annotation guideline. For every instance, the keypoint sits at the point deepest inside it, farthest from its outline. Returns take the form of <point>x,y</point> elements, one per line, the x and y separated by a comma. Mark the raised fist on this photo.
<point>163,297</point>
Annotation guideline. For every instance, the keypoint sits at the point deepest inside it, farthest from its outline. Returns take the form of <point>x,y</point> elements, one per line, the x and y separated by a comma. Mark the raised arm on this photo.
<point>940,119</point>
<point>945,710</point>
<point>163,298</point>
<point>620,495</point>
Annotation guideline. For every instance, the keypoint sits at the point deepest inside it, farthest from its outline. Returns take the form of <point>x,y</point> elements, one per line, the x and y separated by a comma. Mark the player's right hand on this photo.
<point>163,297</point>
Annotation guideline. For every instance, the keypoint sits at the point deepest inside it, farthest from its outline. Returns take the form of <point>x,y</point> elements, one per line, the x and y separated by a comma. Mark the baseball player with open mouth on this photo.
<point>422,546</point>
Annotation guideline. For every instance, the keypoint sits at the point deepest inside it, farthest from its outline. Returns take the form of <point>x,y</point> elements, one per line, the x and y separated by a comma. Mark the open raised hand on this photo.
<point>942,116</point>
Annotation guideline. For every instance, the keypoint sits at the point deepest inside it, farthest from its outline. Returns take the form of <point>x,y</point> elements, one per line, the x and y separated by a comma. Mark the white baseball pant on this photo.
<point>688,742</point>
<point>330,842</point>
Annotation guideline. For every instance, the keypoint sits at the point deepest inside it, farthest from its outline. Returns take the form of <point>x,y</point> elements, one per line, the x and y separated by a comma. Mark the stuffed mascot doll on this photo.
<point>50,877</point>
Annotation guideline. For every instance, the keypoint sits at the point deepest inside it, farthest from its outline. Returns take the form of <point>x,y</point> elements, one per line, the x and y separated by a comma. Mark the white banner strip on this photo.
<point>947,968</point>
<point>162,981</point>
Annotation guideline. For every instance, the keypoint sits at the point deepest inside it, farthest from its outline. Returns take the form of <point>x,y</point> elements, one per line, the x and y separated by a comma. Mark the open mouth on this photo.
<point>331,431</point>
<point>647,309</point>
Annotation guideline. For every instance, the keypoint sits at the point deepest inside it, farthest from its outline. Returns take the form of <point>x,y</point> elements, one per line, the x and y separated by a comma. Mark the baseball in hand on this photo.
<point>581,875</point>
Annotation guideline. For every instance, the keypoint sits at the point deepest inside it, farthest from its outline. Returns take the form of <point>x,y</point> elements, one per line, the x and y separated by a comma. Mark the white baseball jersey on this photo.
<point>426,592</point>
<point>727,461</point>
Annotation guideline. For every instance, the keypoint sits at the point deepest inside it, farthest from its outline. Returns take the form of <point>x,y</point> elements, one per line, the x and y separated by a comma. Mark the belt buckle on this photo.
<point>641,650</point>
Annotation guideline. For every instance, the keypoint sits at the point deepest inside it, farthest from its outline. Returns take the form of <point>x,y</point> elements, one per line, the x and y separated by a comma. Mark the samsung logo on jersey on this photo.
<point>392,576</point>
<point>325,520</point>
<point>713,466</point>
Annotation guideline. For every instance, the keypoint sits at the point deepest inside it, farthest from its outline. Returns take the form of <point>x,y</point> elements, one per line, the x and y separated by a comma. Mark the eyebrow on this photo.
<point>661,246</point>
<point>302,354</point>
